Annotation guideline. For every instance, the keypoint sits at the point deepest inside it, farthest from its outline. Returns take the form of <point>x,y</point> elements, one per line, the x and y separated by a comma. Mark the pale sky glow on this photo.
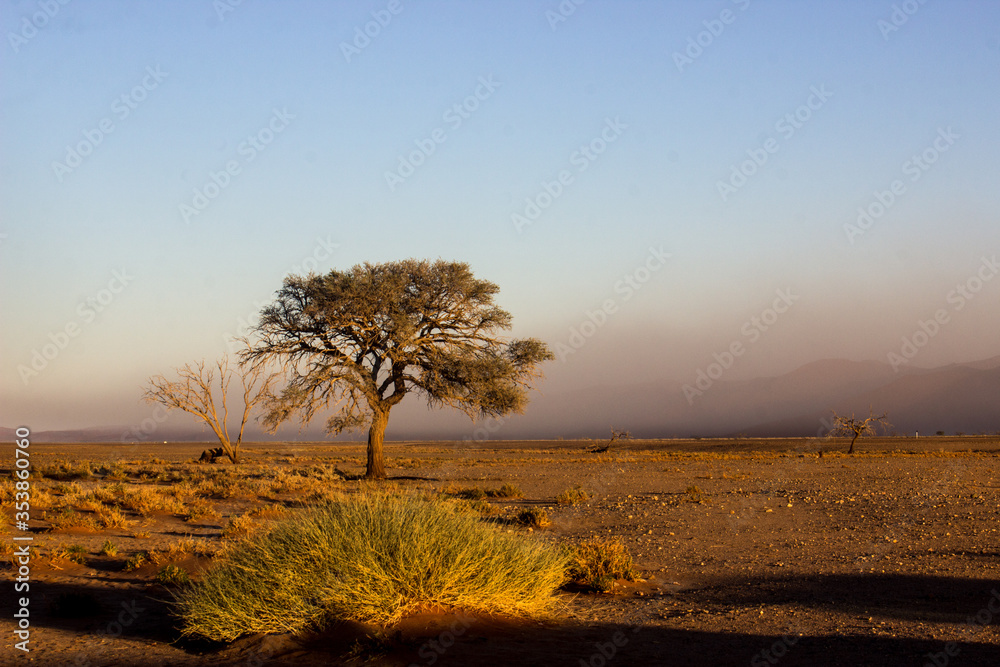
<point>171,162</point>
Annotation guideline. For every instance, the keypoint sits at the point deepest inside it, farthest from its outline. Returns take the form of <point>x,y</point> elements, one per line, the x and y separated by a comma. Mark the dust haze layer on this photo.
<point>958,398</point>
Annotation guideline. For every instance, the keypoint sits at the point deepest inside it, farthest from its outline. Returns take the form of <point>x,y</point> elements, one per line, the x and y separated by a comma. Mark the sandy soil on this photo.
<point>754,553</point>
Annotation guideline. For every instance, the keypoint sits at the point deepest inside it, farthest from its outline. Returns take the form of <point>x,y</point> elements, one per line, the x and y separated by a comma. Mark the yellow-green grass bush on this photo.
<point>371,557</point>
<point>42,499</point>
<point>596,563</point>
<point>534,517</point>
<point>508,490</point>
<point>136,560</point>
<point>70,518</point>
<point>63,470</point>
<point>199,509</point>
<point>573,496</point>
<point>76,553</point>
<point>146,500</point>
<point>112,517</point>
<point>67,488</point>
<point>172,575</point>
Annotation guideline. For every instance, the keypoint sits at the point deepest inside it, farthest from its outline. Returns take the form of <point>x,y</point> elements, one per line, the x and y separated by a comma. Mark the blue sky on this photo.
<point>310,122</point>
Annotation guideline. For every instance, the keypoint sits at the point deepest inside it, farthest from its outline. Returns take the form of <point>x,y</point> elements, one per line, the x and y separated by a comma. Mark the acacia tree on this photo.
<point>856,427</point>
<point>361,340</point>
<point>193,393</point>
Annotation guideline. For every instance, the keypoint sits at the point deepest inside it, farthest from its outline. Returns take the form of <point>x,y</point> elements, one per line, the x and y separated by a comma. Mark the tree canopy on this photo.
<point>359,341</point>
<point>857,426</point>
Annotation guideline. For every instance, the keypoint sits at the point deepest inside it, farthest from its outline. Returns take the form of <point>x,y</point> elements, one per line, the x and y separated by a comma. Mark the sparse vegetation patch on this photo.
<point>109,548</point>
<point>573,496</point>
<point>534,517</point>
<point>598,562</point>
<point>172,575</point>
<point>505,491</point>
<point>694,494</point>
<point>135,561</point>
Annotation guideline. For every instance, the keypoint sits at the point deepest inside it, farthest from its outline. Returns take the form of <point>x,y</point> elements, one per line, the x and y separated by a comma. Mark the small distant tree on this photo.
<point>858,427</point>
<point>193,393</point>
<point>615,435</point>
<point>360,340</point>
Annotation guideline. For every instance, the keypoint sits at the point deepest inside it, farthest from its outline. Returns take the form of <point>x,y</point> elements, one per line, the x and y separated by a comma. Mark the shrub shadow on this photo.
<point>902,596</point>
<point>482,640</point>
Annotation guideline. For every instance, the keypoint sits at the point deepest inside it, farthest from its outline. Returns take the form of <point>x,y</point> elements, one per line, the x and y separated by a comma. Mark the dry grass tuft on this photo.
<point>534,517</point>
<point>136,560</point>
<point>70,518</point>
<point>372,557</point>
<point>146,500</point>
<point>199,509</point>
<point>75,553</point>
<point>468,493</point>
<point>241,527</point>
<point>505,491</point>
<point>172,575</point>
<point>573,496</point>
<point>694,494</point>
<point>112,517</point>
<point>187,546</point>
<point>64,471</point>
<point>596,563</point>
<point>42,499</point>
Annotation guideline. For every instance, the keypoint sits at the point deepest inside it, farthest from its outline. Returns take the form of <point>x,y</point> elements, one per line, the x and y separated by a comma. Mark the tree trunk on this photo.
<point>230,452</point>
<point>850,450</point>
<point>376,435</point>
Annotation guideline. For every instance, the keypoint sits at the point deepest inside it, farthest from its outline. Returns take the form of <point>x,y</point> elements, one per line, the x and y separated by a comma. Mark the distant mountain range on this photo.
<point>955,398</point>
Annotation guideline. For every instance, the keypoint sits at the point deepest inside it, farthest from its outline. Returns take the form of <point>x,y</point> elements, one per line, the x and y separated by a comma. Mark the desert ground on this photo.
<point>750,552</point>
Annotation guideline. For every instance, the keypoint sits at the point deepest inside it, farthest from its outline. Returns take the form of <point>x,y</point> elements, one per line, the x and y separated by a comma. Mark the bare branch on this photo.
<point>194,394</point>
<point>615,435</point>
